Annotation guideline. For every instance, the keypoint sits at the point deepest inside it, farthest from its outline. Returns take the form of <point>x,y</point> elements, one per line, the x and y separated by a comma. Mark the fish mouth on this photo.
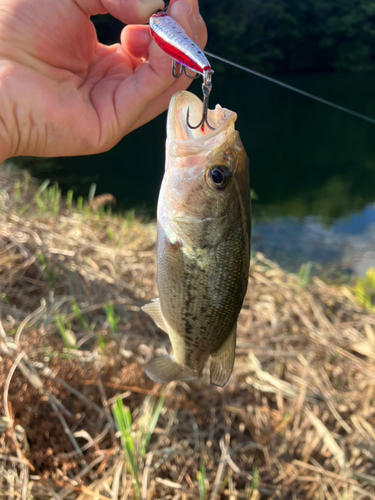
<point>184,102</point>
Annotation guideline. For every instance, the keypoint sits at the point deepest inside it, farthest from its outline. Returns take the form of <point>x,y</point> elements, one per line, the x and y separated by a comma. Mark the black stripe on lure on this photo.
<point>173,40</point>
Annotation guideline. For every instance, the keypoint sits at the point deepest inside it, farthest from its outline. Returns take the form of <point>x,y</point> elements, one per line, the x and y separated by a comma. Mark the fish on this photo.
<point>203,244</point>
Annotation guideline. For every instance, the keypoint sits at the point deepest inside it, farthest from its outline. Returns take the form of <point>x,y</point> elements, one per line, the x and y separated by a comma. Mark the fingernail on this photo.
<point>139,39</point>
<point>148,7</point>
<point>153,5</point>
<point>181,9</point>
<point>191,19</point>
<point>185,8</point>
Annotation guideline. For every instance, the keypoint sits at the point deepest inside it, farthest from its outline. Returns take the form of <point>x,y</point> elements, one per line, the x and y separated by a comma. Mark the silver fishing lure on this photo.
<point>173,40</point>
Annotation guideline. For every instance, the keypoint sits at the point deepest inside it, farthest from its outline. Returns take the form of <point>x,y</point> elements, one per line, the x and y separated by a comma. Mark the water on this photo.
<point>312,167</point>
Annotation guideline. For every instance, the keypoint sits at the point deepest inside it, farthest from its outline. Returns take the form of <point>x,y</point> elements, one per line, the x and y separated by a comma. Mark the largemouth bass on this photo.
<point>203,244</point>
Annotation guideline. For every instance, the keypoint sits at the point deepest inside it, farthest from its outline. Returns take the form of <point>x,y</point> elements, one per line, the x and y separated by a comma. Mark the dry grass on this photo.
<point>296,420</point>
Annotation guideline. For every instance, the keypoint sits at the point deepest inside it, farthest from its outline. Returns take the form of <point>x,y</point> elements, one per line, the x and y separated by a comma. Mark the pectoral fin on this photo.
<point>165,369</point>
<point>153,309</point>
<point>222,361</point>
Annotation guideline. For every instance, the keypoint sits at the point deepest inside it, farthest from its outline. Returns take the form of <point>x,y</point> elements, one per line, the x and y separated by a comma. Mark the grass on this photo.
<point>135,442</point>
<point>124,422</point>
<point>4,298</point>
<point>364,290</point>
<point>80,419</point>
<point>112,318</point>
<point>66,333</point>
<point>51,274</point>
<point>201,477</point>
<point>304,274</point>
<point>78,313</point>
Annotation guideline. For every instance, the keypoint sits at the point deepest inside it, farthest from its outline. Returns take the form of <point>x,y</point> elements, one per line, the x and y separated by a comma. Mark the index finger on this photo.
<point>127,11</point>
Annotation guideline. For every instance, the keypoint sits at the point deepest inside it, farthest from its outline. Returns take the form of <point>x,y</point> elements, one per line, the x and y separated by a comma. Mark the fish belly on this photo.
<point>201,290</point>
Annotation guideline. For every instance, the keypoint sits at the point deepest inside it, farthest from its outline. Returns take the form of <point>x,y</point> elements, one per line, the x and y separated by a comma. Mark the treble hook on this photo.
<point>206,88</point>
<point>178,69</point>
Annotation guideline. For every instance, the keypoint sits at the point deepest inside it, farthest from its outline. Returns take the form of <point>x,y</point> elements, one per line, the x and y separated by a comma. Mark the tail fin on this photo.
<point>165,369</point>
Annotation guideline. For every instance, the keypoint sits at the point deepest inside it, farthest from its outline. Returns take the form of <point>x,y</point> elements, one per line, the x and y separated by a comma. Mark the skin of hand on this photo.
<point>62,93</point>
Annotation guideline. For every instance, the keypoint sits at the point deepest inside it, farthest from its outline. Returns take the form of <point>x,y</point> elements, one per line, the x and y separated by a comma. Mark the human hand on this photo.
<point>62,93</point>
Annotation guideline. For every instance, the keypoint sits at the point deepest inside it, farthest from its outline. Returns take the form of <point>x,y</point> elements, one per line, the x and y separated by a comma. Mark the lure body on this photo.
<point>173,40</point>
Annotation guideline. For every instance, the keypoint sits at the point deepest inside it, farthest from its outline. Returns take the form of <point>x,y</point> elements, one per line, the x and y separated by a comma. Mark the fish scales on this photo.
<point>203,303</point>
<point>203,244</point>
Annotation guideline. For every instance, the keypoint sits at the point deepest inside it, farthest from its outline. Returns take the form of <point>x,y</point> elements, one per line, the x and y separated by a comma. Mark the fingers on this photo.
<point>127,11</point>
<point>187,14</point>
<point>155,77</point>
<point>146,93</point>
<point>199,30</point>
<point>133,11</point>
<point>160,104</point>
<point>136,40</point>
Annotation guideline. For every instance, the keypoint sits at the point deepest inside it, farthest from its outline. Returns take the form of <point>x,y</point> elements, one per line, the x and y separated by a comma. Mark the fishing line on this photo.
<point>295,89</point>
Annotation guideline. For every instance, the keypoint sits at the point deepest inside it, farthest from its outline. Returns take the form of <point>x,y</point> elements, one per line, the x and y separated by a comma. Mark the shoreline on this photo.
<point>296,419</point>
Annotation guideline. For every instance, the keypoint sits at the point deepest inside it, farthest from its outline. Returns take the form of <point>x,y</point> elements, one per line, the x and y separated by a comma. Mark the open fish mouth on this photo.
<point>177,127</point>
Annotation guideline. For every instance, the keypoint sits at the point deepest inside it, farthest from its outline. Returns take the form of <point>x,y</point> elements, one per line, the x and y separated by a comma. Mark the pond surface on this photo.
<point>312,167</point>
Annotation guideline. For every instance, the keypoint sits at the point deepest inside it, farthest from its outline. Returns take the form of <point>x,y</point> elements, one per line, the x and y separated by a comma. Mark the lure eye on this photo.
<point>219,176</point>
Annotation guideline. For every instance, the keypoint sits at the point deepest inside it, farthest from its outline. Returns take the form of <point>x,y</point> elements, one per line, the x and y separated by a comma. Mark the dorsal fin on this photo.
<point>153,309</point>
<point>222,361</point>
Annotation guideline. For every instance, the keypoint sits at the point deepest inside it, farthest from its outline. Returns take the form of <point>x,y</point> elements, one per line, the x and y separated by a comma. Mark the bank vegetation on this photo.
<point>80,419</point>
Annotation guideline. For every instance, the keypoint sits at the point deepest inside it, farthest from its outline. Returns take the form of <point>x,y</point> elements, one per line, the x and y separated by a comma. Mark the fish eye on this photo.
<point>219,176</point>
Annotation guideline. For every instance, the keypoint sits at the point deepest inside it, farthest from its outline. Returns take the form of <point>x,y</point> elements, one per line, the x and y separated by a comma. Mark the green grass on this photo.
<point>17,189</point>
<point>201,477</point>
<point>101,341</point>
<point>39,197</point>
<point>4,299</point>
<point>54,196</point>
<point>23,209</point>
<point>112,318</point>
<point>255,481</point>
<point>129,219</point>
<point>364,290</point>
<point>92,193</point>
<point>69,199</point>
<point>51,274</point>
<point>47,199</point>
<point>110,233</point>
<point>304,274</point>
<point>66,333</point>
<point>79,203</point>
<point>253,195</point>
<point>77,312</point>
<point>135,437</point>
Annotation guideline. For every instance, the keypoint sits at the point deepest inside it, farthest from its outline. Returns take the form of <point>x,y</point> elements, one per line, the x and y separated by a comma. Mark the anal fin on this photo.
<point>165,369</point>
<point>153,309</point>
<point>222,361</point>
